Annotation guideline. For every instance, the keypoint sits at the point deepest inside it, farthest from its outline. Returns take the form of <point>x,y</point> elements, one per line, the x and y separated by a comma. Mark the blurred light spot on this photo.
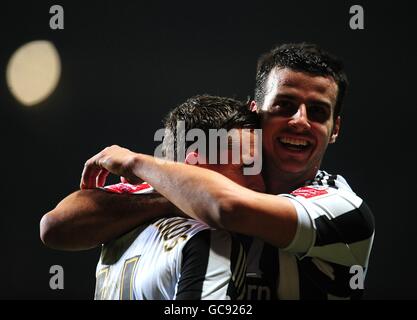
<point>33,72</point>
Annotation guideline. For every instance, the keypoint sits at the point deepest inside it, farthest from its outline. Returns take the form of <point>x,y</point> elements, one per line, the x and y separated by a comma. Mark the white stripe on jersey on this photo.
<point>336,202</point>
<point>337,253</point>
<point>289,286</point>
<point>324,267</point>
<point>216,259</point>
<point>332,297</point>
<point>333,204</point>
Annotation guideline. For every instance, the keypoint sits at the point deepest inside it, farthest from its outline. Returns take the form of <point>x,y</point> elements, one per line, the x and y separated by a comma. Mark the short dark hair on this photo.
<point>207,112</point>
<point>304,57</point>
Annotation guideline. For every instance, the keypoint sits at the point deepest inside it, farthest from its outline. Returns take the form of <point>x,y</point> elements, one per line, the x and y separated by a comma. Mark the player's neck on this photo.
<point>278,182</point>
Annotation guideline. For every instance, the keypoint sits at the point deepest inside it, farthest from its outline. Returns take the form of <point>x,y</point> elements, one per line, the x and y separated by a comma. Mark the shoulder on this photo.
<point>330,212</point>
<point>330,192</point>
<point>178,226</point>
<point>328,180</point>
<point>190,230</point>
<point>176,232</point>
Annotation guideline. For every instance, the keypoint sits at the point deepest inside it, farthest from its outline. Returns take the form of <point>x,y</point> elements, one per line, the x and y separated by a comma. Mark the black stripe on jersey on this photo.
<point>126,289</point>
<point>263,286</point>
<point>245,240</point>
<point>269,264</point>
<point>323,179</point>
<point>309,288</point>
<point>331,181</point>
<point>315,285</point>
<point>237,287</point>
<point>195,258</point>
<point>352,226</point>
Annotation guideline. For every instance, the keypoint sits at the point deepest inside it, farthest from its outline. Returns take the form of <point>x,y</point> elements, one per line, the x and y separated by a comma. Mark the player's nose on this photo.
<point>299,120</point>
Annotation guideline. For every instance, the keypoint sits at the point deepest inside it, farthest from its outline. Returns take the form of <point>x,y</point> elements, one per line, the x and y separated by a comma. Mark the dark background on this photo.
<point>126,63</point>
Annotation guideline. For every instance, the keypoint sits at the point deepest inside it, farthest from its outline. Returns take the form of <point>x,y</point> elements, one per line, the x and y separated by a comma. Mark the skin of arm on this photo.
<point>88,218</point>
<point>202,194</point>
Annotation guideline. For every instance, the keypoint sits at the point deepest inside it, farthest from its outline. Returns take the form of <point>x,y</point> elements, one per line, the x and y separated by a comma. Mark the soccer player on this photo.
<point>317,228</point>
<point>180,258</point>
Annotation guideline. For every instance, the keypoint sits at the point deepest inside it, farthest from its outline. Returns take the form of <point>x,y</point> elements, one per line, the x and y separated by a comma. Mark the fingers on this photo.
<point>101,178</point>
<point>90,172</point>
<point>133,180</point>
<point>113,159</point>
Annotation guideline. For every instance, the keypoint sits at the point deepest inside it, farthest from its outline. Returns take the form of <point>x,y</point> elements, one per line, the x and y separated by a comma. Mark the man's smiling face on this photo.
<point>297,121</point>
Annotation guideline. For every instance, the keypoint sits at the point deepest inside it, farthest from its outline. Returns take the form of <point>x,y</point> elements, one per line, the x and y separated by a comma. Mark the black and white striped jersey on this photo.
<point>172,258</point>
<point>335,232</point>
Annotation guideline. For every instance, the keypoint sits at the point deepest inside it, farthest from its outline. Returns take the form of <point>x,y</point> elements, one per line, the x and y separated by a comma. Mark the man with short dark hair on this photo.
<point>180,258</point>
<point>317,228</point>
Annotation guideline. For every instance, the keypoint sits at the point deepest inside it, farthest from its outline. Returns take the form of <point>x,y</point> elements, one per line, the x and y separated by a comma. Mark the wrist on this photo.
<point>136,166</point>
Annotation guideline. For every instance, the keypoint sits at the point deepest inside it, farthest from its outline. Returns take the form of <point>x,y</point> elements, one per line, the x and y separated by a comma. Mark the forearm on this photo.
<point>88,218</point>
<point>214,199</point>
<point>193,190</point>
<point>202,194</point>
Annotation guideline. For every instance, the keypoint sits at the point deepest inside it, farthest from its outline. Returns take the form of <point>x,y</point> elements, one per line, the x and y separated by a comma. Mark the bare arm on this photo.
<point>88,218</point>
<point>214,199</point>
<point>203,194</point>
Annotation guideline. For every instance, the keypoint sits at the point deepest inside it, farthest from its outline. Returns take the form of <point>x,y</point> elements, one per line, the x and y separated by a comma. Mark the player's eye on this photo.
<point>318,113</point>
<point>284,108</point>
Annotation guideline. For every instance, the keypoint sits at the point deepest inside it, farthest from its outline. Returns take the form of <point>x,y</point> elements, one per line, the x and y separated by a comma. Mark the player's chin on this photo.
<point>293,165</point>
<point>292,168</point>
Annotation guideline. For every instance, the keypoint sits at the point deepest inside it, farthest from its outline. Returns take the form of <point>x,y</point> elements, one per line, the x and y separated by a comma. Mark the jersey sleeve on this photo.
<point>334,224</point>
<point>213,267</point>
<point>335,233</point>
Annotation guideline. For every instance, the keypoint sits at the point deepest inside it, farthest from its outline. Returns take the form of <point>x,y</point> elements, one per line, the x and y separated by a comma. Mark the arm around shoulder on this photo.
<point>269,217</point>
<point>88,218</point>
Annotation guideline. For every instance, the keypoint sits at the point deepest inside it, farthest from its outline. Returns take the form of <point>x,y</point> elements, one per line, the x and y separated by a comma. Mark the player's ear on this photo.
<point>336,129</point>
<point>192,158</point>
<point>253,106</point>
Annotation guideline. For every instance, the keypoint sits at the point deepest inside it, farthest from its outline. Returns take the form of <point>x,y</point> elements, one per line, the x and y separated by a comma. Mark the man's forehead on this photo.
<point>285,79</point>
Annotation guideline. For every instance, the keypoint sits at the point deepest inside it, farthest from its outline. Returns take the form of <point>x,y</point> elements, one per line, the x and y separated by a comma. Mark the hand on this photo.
<point>116,160</point>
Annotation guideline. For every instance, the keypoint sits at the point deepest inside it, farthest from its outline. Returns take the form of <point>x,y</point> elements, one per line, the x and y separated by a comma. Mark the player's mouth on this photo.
<point>295,144</point>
